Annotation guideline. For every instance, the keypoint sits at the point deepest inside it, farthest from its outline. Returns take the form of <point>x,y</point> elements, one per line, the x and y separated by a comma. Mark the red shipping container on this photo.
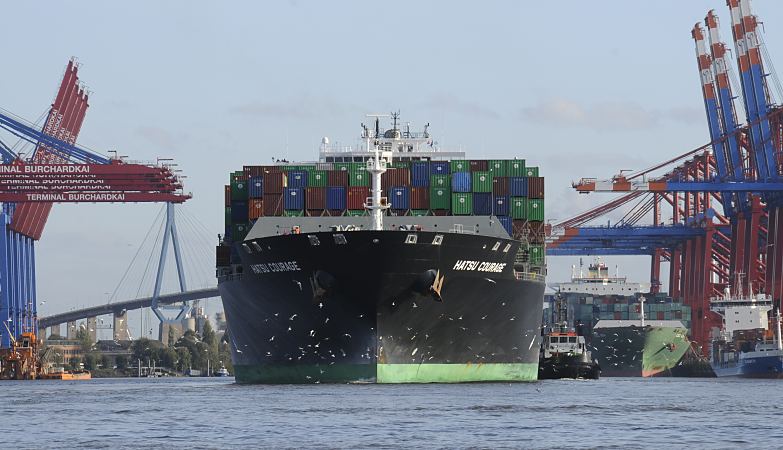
<point>618,316</point>
<point>272,169</point>
<point>535,232</point>
<point>535,187</point>
<point>660,315</point>
<point>337,178</point>
<point>253,171</point>
<point>500,186</point>
<point>273,205</point>
<point>274,182</point>
<point>228,195</point>
<point>394,178</point>
<point>315,198</point>
<point>255,209</point>
<point>420,198</point>
<point>357,195</point>
<point>478,165</point>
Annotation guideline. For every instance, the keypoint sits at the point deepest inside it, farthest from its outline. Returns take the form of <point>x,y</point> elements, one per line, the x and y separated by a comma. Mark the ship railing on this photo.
<point>232,276</point>
<point>529,276</point>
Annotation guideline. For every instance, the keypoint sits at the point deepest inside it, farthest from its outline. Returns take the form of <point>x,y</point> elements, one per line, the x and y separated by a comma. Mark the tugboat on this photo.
<point>564,353</point>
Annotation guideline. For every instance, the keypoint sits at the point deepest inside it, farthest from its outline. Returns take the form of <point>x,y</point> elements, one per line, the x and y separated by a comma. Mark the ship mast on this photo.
<point>641,310</point>
<point>377,204</point>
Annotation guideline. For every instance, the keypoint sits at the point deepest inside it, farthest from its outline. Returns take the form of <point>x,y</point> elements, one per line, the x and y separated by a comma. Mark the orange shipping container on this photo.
<point>255,209</point>
<point>228,195</point>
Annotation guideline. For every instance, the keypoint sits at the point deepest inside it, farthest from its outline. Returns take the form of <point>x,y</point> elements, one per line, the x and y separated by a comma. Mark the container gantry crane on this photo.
<point>741,168</point>
<point>59,171</point>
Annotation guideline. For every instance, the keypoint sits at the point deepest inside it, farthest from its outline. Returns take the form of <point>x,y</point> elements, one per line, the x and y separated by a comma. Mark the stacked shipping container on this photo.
<point>506,188</point>
<point>589,309</point>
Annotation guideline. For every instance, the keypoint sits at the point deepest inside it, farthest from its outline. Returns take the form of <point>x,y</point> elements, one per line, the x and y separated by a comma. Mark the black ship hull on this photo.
<point>371,306</point>
<point>567,366</point>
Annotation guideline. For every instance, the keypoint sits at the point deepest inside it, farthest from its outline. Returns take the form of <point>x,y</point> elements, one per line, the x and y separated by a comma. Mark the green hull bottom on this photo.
<point>386,373</point>
<point>456,373</point>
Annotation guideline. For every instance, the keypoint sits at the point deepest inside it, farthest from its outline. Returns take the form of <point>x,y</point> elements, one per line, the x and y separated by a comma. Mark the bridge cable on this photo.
<point>138,251</point>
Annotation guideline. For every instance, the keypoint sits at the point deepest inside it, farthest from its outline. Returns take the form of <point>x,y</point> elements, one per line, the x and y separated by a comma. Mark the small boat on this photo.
<point>222,372</point>
<point>62,374</point>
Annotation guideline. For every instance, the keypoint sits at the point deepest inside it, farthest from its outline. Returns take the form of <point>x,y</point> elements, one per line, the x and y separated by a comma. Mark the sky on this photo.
<point>581,89</point>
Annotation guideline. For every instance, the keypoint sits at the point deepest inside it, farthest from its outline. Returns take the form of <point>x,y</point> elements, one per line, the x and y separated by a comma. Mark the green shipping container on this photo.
<point>482,182</point>
<point>293,213</point>
<point>317,178</point>
<point>400,164</point>
<point>440,198</point>
<point>531,171</point>
<point>459,165</point>
<point>420,212</point>
<point>516,168</point>
<point>462,204</point>
<point>535,209</point>
<point>498,167</point>
<point>356,212</point>
<point>343,166</point>
<point>238,190</point>
<point>518,207</point>
<point>239,230</point>
<point>537,254</point>
<point>440,181</point>
<point>359,176</point>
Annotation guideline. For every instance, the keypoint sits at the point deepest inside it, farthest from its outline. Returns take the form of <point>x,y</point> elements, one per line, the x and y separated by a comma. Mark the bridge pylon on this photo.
<point>169,235</point>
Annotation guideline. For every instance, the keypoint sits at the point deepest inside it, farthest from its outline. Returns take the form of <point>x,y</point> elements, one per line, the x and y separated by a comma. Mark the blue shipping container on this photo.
<point>518,186</point>
<point>399,197</point>
<point>507,224</point>
<point>482,203</point>
<point>238,212</point>
<point>335,197</point>
<point>420,173</point>
<point>293,198</point>
<point>297,179</point>
<point>439,167</point>
<point>255,187</point>
<point>461,182</point>
<point>500,206</point>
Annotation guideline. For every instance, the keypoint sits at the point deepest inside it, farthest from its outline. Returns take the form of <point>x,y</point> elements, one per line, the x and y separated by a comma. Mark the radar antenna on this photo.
<point>395,117</point>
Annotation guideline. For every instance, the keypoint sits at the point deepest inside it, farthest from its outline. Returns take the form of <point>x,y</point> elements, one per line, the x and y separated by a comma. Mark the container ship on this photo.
<point>391,262</point>
<point>629,336</point>
<point>744,347</point>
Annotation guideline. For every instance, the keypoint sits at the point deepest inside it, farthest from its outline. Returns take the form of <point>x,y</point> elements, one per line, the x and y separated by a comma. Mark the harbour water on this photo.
<point>216,413</point>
